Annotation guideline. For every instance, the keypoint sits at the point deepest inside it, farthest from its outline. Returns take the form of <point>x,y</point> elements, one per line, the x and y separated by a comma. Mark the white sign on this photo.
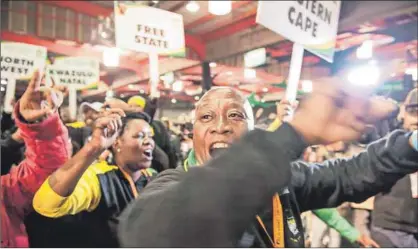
<point>20,60</point>
<point>74,72</point>
<point>312,24</point>
<point>146,29</point>
<point>255,58</point>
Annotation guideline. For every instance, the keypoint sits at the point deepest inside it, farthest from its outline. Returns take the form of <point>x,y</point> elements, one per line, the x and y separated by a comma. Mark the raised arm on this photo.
<point>358,178</point>
<point>74,187</point>
<point>46,141</point>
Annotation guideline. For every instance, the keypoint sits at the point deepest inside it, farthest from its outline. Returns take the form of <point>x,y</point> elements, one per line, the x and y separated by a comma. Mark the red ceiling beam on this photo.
<point>209,17</point>
<point>247,21</point>
<point>54,47</point>
<point>84,7</point>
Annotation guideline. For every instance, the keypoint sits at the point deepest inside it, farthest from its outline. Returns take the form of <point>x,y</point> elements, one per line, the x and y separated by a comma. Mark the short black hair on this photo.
<point>134,115</point>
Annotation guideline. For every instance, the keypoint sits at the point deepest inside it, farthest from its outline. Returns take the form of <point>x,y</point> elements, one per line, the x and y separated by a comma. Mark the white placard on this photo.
<point>146,29</point>
<point>20,60</point>
<point>76,72</point>
<point>312,24</point>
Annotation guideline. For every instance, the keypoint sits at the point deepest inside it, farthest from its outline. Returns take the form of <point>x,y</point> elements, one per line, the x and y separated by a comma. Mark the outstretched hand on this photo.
<point>38,102</point>
<point>334,113</point>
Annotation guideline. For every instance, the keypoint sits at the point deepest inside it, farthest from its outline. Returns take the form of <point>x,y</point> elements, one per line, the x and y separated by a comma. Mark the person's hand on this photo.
<point>333,113</point>
<point>38,102</point>
<point>366,241</point>
<point>285,109</point>
<point>106,129</point>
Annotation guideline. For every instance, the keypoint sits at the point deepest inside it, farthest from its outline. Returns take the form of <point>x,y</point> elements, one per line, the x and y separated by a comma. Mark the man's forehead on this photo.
<point>222,93</point>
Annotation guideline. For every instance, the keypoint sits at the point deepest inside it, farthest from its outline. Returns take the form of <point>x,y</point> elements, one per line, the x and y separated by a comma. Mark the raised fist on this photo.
<point>106,129</point>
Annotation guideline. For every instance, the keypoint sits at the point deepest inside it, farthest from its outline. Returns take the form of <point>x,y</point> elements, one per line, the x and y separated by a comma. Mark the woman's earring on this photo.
<point>118,150</point>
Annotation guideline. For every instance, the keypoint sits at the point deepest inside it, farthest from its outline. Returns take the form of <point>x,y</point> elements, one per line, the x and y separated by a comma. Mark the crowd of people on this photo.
<point>120,177</point>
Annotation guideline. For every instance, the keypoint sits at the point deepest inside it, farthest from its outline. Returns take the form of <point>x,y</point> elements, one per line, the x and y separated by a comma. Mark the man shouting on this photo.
<point>245,189</point>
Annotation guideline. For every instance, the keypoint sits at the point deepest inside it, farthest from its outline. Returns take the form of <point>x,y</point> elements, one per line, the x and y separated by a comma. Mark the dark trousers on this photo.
<point>392,238</point>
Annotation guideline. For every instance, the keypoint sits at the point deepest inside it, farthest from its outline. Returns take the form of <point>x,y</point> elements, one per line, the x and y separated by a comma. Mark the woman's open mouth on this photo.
<point>148,154</point>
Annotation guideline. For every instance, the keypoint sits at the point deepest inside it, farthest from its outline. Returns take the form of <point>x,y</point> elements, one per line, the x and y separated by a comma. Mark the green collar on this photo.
<point>190,161</point>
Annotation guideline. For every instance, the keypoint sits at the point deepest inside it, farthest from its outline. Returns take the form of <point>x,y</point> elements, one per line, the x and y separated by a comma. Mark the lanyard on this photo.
<point>131,182</point>
<point>278,227</point>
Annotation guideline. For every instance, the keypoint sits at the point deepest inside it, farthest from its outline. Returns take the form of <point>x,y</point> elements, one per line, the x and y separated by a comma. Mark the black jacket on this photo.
<point>396,209</point>
<point>214,205</point>
<point>12,153</point>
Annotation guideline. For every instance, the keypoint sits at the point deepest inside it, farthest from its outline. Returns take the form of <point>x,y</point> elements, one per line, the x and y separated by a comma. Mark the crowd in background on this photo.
<point>167,145</point>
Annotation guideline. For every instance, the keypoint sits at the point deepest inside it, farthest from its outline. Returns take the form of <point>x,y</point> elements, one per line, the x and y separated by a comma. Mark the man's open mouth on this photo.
<point>217,148</point>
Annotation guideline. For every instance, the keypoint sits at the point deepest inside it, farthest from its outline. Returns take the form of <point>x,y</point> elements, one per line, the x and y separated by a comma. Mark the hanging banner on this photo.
<point>20,60</point>
<point>312,24</point>
<point>150,30</point>
<point>75,72</point>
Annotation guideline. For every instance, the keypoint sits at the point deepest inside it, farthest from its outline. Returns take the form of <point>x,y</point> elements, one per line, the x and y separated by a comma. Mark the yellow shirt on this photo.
<point>85,197</point>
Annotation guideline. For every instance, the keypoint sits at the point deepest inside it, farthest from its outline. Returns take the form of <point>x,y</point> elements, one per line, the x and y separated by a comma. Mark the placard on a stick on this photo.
<point>20,60</point>
<point>147,29</point>
<point>312,24</point>
<point>77,72</point>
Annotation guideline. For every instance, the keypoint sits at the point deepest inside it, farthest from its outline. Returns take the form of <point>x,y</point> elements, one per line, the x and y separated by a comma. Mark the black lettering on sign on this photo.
<point>291,15</point>
<point>158,43</point>
<point>299,21</point>
<point>72,81</point>
<point>305,22</point>
<point>13,69</point>
<point>318,9</point>
<point>17,61</point>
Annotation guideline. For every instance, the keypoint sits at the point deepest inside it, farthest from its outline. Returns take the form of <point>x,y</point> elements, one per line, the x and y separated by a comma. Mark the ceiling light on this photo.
<point>192,6</point>
<point>4,81</point>
<point>219,8</point>
<point>130,86</point>
<point>365,51</point>
<point>412,71</point>
<point>111,57</point>
<point>173,101</point>
<point>178,86</point>
<point>109,94</point>
<point>122,95</point>
<point>141,91</point>
<point>364,75</point>
<point>265,89</point>
<point>306,86</point>
<point>2,89</point>
<point>212,64</point>
<point>250,73</point>
<point>196,98</point>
